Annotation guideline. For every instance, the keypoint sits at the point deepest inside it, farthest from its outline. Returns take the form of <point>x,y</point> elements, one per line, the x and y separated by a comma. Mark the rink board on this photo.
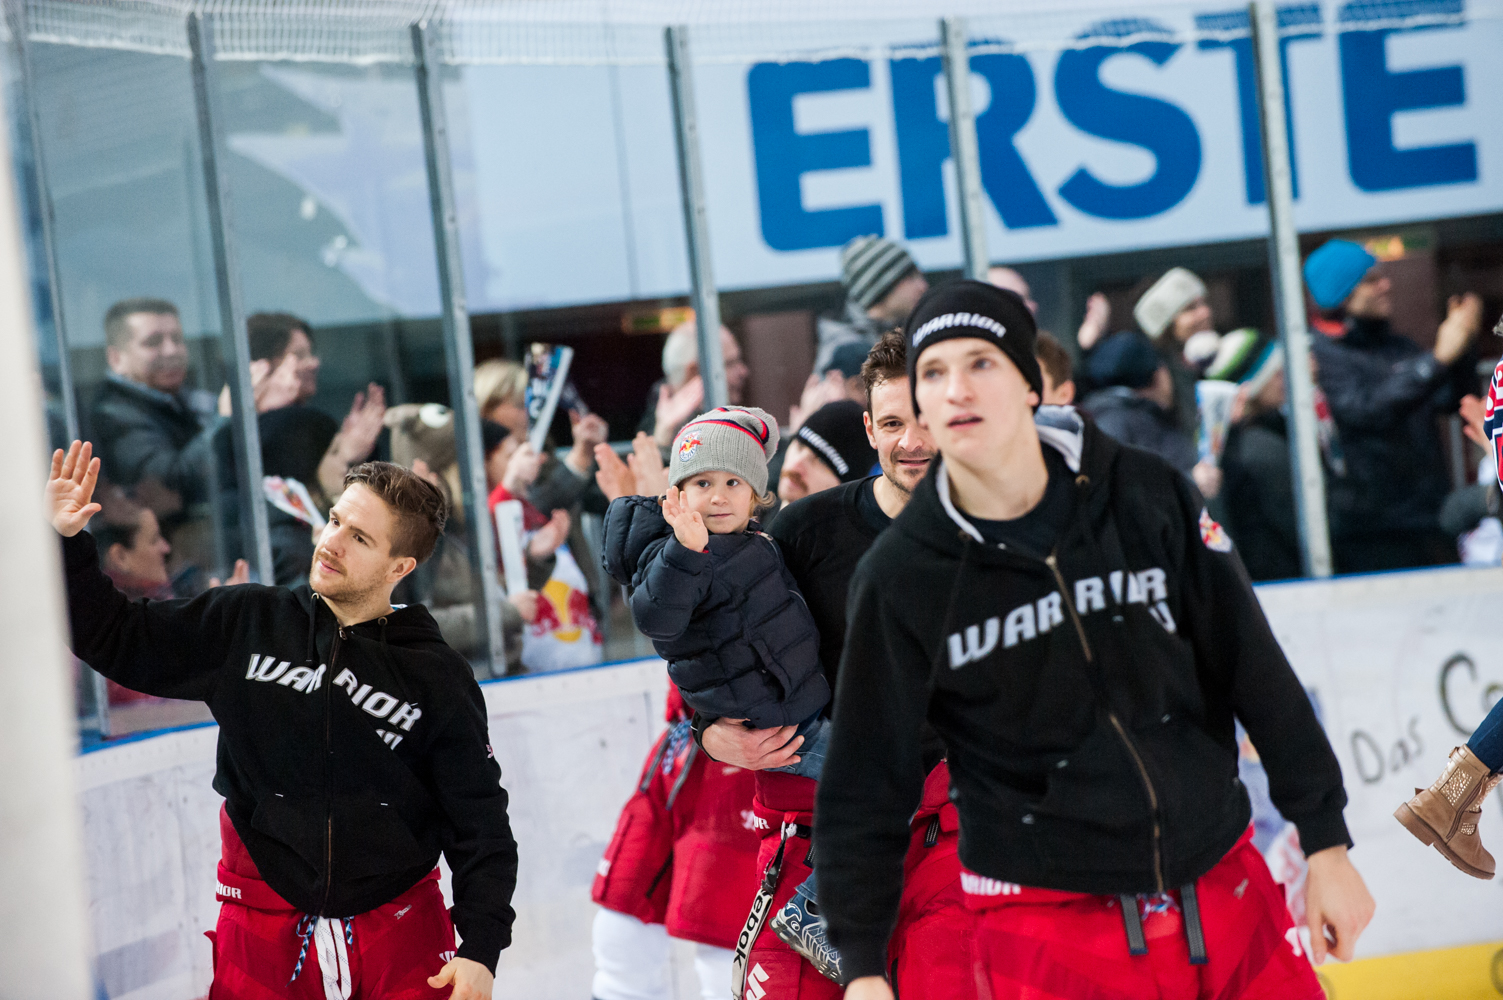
<point>1401,666</point>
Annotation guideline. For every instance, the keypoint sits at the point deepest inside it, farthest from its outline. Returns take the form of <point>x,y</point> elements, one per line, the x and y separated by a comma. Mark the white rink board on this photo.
<point>1371,649</point>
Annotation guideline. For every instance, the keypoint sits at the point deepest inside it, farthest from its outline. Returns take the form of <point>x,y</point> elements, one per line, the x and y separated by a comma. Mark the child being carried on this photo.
<point>712,593</point>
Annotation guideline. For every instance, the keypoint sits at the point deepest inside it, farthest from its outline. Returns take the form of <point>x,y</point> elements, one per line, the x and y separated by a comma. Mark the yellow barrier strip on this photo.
<point>1474,972</point>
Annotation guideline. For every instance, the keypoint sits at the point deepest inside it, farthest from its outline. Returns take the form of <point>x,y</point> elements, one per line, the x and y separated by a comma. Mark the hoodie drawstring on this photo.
<point>333,952</point>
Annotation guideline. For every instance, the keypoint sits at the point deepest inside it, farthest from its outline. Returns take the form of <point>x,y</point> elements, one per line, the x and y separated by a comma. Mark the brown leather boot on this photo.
<point>1447,813</point>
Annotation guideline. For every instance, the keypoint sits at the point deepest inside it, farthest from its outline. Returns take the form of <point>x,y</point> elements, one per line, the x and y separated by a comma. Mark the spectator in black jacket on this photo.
<point>1385,394</point>
<point>299,440</point>
<point>1258,486</point>
<point>1135,403</point>
<point>154,435</point>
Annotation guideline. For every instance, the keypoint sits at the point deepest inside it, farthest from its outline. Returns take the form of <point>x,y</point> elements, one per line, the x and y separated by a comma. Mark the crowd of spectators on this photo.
<point>173,522</point>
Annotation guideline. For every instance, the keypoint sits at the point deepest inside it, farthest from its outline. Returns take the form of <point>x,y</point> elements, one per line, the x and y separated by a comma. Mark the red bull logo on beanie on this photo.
<point>689,447</point>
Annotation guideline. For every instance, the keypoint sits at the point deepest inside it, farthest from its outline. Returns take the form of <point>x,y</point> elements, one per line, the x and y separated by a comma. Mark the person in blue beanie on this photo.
<point>1384,392</point>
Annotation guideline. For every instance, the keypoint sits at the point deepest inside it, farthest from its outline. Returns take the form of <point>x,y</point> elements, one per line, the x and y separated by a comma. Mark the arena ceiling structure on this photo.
<point>626,32</point>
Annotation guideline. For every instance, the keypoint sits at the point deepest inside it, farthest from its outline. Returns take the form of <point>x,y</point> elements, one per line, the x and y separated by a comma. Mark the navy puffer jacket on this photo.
<point>739,640</point>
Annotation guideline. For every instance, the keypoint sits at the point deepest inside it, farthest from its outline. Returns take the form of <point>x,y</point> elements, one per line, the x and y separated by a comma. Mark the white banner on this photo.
<point>1093,150</point>
<point>1400,666</point>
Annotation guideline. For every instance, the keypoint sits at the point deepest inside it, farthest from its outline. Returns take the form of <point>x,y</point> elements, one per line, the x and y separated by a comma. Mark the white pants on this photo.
<point>631,961</point>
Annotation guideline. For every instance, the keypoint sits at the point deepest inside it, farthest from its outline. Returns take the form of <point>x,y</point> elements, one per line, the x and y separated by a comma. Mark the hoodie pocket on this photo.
<point>1096,816</point>
<point>371,838</point>
<point>1200,793</point>
<point>296,823</point>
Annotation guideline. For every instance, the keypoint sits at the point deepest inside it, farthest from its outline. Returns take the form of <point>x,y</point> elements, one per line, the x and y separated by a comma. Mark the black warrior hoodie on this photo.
<point>349,758</point>
<point>1086,699</point>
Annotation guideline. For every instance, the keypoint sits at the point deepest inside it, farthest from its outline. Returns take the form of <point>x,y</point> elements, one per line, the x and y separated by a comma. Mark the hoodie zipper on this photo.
<point>329,772</point>
<point>1137,758</point>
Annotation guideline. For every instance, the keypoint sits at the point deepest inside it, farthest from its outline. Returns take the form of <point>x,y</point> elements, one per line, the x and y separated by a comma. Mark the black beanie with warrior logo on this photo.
<point>974,309</point>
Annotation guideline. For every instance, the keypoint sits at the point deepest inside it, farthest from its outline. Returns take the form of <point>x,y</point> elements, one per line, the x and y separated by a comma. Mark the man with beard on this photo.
<point>353,750</point>
<point>822,537</point>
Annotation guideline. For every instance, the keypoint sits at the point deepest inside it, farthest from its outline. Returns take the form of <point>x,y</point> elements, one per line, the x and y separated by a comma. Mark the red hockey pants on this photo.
<point>1035,944</point>
<point>266,950</point>
<point>930,949</point>
<point>685,848</point>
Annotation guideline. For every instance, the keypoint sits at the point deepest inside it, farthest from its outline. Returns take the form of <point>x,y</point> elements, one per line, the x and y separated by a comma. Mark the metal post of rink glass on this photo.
<point>1289,294</point>
<point>696,226</point>
<point>964,148</point>
<point>254,533</point>
<point>459,350</point>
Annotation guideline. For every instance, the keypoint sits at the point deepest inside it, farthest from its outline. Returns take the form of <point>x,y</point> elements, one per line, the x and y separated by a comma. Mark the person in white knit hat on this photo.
<point>1176,304</point>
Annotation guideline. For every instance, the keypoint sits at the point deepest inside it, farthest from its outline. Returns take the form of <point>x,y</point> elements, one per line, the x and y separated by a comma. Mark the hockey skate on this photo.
<point>1446,814</point>
<point>798,925</point>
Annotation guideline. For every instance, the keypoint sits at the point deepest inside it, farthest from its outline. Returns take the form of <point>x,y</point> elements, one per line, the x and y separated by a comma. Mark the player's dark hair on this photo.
<point>421,508</point>
<point>117,332</point>
<point>1054,359</point>
<point>270,333</point>
<point>886,361</point>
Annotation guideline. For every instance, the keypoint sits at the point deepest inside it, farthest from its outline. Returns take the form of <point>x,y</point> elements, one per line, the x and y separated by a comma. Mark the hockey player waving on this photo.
<point>352,751</point>
<point>1081,634</point>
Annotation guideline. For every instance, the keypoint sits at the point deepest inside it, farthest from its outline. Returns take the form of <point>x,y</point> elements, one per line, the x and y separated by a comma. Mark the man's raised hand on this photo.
<point>646,464</point>
<point>611,474</point>
<point>688,527</point>
<point>70,488</point>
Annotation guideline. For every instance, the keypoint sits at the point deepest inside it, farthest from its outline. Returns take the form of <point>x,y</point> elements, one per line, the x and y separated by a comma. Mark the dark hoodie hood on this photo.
<point>931,516</point>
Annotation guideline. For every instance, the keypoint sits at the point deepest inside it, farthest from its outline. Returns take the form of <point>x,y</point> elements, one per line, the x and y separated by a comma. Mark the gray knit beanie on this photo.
<point>734,439</point>
<point>871,266</point>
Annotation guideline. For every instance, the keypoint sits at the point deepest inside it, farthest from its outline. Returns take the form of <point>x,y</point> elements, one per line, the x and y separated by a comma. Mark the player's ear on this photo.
<point>399,568</point>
